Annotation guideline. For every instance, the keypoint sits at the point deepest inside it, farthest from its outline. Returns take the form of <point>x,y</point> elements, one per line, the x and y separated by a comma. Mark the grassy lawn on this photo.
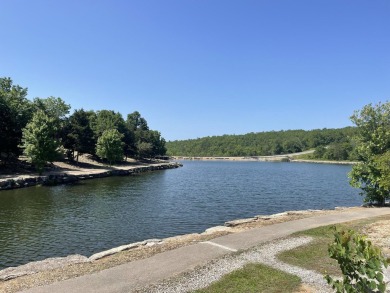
<point>255,278</point>
<point>314,256</point>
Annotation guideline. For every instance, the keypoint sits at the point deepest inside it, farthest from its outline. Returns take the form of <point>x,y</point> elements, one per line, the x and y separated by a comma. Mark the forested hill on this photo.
<point>337,141</point>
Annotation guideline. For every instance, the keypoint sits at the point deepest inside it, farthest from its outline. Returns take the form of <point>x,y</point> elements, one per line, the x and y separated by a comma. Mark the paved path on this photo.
<point>128,277</point>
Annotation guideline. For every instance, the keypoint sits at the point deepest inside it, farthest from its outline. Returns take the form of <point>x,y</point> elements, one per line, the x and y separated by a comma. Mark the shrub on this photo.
<point>361,263</point>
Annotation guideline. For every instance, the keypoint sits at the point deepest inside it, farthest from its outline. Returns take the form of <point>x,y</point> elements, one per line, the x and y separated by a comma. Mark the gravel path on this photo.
<point>266,254</point>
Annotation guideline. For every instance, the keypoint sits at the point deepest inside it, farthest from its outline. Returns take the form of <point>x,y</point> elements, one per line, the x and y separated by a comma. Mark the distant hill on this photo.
<point>263,143</point>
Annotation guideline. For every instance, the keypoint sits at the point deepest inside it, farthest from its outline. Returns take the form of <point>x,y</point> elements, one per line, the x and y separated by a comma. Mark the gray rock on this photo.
<point>239,222</point>
<point>39,266</point>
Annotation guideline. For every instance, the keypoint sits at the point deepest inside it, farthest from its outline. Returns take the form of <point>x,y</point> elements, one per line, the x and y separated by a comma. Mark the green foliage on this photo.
<point>136,122</point>
<point>53,107</point>
<point>361,263</point>
<point>144,149</point>
<point>382,163</point>
<point>262,143</point>
<point>77,135</point>
<point>39,142</point>
<point>110,146</point>
<point>105,120</point>
<point>78,132</point>
<point>372,145</point>
<point>149,143</point>
<point>15,112</point>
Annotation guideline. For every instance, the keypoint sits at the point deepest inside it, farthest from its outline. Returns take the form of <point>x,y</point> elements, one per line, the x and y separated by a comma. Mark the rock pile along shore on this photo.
<point>67,177</point>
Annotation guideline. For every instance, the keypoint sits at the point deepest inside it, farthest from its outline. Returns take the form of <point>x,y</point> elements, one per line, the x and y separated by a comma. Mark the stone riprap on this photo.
<point>67,177</point>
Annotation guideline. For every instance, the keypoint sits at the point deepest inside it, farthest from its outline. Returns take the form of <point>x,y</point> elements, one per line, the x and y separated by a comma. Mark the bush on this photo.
<point>360,262</point>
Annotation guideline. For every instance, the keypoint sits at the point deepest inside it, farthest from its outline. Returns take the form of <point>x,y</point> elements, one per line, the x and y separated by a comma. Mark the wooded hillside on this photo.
<point>338,143</point>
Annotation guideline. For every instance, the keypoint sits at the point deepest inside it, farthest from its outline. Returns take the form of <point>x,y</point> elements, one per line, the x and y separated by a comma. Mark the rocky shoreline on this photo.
<point>67,177</point>
<point>229,227</point>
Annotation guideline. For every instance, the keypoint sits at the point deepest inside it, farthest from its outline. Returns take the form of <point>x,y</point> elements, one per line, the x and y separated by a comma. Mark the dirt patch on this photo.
<point>305,289</point>
<point>379,234</point>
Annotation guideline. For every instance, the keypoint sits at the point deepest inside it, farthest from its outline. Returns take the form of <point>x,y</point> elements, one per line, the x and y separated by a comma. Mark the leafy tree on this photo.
<point>319,152</point>
<point>7,126</point>
<point>110,146</point>
<point>53,107</point>
<point>372,142</point>
<point>382,163</point>
<point>149,143</point>
<point>136,122</point>
<point>39,142</point>
<point>145,149</point>
<point>105,120</point>
<point>77,135</point>
<point>15,112</point>
<point>361,263</point>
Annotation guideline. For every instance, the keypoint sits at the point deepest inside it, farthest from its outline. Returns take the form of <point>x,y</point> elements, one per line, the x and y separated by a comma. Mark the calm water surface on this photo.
<point>91,216</point>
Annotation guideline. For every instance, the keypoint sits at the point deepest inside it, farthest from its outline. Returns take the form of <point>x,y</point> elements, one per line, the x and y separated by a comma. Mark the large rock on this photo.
<point>39,266</point>
<point>240,222</point>
<point>115,250</point>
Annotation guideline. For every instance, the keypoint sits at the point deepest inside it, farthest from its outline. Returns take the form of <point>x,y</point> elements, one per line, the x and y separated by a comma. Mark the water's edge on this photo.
<point>66,177</point>
<point>59,262</point>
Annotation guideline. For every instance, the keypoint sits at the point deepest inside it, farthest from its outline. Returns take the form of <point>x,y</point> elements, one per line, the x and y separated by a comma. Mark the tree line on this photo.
<point>334,144</point>
<point>43,130</point>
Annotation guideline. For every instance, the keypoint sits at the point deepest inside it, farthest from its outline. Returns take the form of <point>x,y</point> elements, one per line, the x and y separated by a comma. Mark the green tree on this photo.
<point>15,112</point>
<point>319,152</point>
<point>144,150</point>
<point>382,163</point>
<point>149,143</point>
<point>53,107</point>
<point>77,135</point>
<point>136,122</point>
<point>372,141</point>
<point>110,146</point>
<point>39,142</point>
<point>105,120</point>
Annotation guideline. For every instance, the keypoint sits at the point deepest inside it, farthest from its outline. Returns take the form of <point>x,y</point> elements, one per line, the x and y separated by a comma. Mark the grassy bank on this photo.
<point>255,278</point>
<point>313,256</point>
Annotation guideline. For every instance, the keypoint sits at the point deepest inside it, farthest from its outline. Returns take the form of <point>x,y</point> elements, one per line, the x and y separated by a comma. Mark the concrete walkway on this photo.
<point>135,275</point>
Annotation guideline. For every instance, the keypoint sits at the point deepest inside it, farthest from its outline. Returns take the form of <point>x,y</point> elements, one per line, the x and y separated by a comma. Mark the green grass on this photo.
<point>255,278</point>
<point>314,256</point>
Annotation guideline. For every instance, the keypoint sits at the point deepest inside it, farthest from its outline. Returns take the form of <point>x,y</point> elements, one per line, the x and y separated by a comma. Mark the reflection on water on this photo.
<point>41,222</point>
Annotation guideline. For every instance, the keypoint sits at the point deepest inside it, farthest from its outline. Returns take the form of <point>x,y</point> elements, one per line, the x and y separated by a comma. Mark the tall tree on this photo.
<point>372,145</point>
<point>106,120</point>
<point>136,122</point>
<point>110,146</point>
<point>15,112</point>
<point>39,142</point>
<point>77,134</point>
<point>53,107</point>
<point>149,143</point>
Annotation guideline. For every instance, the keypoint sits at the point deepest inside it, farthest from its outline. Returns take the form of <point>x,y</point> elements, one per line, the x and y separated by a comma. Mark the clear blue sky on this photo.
<point>196,68</point>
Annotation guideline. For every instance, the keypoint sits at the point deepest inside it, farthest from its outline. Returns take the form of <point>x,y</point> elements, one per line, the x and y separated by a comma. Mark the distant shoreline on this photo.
<point>278,158</point>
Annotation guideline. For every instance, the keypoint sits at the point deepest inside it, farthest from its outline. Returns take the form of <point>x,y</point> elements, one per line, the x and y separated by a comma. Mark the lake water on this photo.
<point>91,216</point>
